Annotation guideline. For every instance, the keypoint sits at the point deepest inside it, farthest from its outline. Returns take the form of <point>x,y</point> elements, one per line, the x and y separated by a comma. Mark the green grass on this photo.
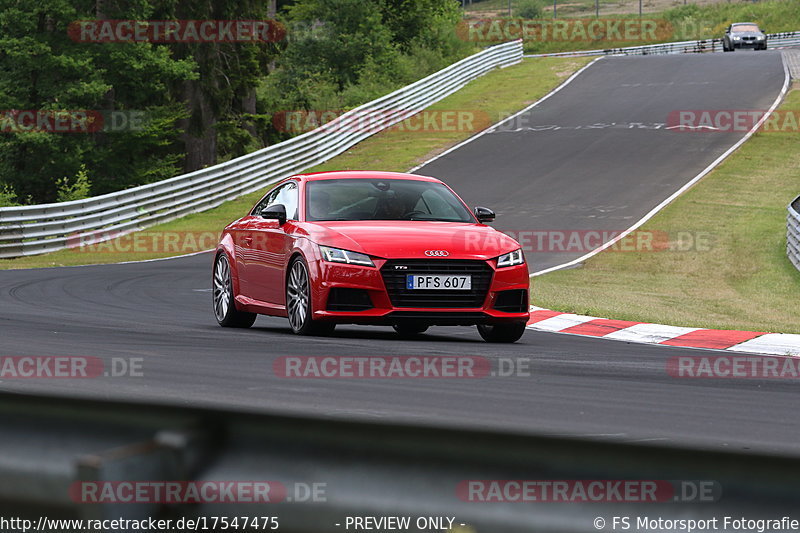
<point>500,7</point>
<point>486,100</point>
<point>681,23</point>
<point>744,281</point>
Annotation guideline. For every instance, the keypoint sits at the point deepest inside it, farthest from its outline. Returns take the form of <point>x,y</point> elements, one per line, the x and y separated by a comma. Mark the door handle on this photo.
<point>248,241</point>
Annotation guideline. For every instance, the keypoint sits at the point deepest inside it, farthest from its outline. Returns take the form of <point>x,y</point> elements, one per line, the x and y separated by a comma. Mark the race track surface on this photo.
<point>597,155</point>
<point>568,178</point>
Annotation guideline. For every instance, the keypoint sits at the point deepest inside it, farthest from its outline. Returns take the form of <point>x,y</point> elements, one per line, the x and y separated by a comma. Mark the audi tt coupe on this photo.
<point>363,247</point>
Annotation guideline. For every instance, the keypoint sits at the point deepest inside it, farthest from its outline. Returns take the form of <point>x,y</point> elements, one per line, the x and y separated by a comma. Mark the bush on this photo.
<point>8,197</point>
<point>78,190</point>
<point>530,9</point>
<point>344,53</point>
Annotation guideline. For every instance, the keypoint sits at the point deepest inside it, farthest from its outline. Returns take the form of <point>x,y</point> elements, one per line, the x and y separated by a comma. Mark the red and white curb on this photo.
<point>623,330</point>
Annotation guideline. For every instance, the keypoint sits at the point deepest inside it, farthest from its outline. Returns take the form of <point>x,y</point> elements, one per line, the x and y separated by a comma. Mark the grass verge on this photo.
<point>675,22</point>
<point>483,102</point>
<point>743,280</point>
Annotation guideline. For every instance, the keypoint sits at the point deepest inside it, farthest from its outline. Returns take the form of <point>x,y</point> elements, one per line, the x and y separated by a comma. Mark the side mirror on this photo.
<point>484,214</point>
<point>275,212</point>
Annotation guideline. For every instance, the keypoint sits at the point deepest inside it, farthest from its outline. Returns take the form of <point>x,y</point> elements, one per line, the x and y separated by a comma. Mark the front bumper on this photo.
<point>754,45</point>
<point>351,294</point>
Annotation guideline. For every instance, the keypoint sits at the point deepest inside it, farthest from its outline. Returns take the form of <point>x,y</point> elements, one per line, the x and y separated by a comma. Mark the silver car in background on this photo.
<point>744,35</point>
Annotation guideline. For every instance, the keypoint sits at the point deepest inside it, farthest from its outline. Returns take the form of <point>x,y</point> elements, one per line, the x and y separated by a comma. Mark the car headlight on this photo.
<point>761,37</point>
<point>511,259</point>
<point>737,38</point>
<point>336,255</point>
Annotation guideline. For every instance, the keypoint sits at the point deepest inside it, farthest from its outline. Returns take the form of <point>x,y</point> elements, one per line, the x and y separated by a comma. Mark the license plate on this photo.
<point>416,281</point>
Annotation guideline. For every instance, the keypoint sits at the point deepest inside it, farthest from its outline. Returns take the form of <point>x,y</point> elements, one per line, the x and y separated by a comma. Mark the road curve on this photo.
<point>161,311</point>
<point>597,155</point>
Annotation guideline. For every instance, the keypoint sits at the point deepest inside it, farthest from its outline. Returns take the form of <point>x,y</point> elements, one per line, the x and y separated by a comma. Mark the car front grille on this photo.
<point>394,274</point>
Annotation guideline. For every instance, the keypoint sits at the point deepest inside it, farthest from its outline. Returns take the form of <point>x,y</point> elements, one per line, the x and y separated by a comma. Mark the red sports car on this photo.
<point>362,247</point>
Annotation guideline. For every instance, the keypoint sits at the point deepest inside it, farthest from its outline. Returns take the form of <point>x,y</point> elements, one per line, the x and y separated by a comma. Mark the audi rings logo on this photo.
<point>437,253</point>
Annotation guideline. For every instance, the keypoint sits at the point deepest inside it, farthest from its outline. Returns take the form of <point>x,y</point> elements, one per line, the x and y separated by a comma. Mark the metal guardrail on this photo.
<point>50,444</point>
<point>37,229</point>
<point>774,40</point>
<point>793,233</point>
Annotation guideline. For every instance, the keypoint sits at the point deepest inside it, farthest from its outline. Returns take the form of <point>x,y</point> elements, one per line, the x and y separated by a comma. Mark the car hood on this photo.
<point>411,239</point>
<point>747,34</point>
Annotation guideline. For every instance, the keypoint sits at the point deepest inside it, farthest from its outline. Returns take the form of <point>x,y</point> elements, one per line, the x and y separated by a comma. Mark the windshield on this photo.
<point>744,28</point>
<point>376,199</point>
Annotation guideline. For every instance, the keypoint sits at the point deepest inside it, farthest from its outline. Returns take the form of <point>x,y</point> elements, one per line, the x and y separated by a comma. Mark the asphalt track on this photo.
<point>161,311</point>
<point>597,155</point>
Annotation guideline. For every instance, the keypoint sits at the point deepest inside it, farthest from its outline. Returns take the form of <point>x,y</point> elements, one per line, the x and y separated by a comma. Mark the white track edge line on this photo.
<point>518,113</point>
<point>115,263</point>
<point>673,196</point>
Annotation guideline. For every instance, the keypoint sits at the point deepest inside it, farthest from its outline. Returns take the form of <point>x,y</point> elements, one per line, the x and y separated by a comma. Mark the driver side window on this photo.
<point>286,195</point>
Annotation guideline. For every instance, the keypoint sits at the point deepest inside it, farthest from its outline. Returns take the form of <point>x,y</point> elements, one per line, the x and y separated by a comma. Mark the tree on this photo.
<point>44,70</point>
<point>224,91</point>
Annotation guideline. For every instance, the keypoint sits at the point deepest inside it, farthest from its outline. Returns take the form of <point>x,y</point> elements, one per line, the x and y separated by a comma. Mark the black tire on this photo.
<point>502,333</point>
<point>223,299</point>
<point>410,329</point>
<point>298,302</point>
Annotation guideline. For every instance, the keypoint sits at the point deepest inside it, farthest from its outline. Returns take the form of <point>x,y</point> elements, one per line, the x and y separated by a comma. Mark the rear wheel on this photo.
<point>298,302</point>
<point>410,329</point>
<point>505,333</point>
<point>224,304</point>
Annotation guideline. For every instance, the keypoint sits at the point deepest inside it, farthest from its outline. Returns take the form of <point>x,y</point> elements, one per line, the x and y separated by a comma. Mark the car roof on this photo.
<point>744,24</point>
<point>362,174</point>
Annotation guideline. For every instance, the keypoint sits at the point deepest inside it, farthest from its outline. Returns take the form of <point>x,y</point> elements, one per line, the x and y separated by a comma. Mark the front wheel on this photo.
<point>298,302</point>
<point>505,333</point>
<point>224,304</point>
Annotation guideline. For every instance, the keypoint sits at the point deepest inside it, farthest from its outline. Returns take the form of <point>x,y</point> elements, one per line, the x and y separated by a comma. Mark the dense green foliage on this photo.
<point>194,103</point>
<point>356,50</point>
<point>43,69</point>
